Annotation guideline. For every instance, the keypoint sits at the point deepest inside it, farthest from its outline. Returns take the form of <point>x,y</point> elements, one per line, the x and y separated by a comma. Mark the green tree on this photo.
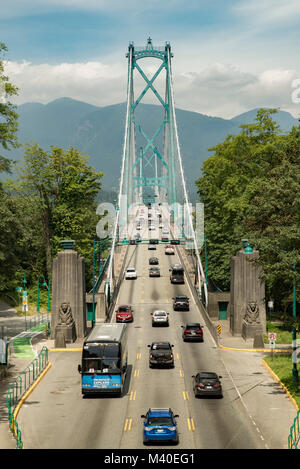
<point>60,190</point>
<point>272,218</point>
<point>225,176</point>
<point>8,115</point>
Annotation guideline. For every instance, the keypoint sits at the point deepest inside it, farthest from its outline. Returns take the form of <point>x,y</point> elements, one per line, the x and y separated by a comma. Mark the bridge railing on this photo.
<point>294,436</point>
<point>19,387</point>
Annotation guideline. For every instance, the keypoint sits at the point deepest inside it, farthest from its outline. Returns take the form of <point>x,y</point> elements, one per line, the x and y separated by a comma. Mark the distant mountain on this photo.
<point>99,132</point>
<point>284,119</point>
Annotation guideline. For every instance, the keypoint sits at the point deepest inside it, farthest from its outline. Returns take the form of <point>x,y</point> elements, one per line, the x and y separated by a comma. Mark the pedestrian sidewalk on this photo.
<point>229,341</point>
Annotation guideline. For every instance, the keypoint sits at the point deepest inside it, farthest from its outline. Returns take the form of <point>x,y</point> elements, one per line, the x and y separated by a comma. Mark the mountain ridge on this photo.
<point>99,132</point>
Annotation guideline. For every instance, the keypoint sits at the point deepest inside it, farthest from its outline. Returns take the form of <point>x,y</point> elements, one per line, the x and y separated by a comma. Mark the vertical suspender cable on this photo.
<point>200,272</point>
<point>129,85</point>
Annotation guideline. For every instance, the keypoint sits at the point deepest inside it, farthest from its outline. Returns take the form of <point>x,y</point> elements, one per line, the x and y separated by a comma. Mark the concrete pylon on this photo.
<point>246,287</point>
<point>68,286</point>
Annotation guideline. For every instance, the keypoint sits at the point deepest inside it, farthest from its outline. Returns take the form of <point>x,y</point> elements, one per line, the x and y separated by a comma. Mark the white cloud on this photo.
<point>218,89</point>
<point>92,82</point>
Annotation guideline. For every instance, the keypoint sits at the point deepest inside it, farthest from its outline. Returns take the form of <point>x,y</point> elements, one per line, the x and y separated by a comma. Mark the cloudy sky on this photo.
<point>229,55</point>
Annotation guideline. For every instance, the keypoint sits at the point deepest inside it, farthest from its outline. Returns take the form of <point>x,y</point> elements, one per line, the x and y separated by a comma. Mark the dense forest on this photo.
<point>53,196</point>
<point>250,188</point>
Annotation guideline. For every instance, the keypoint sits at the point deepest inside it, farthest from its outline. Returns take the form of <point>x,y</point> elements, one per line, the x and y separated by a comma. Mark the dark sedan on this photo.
<point>207,384</point>
<point>192,331</point>
<point>153,261</point>
<point>154,272</point>
<point>181,302</point>
<point>161,354</point>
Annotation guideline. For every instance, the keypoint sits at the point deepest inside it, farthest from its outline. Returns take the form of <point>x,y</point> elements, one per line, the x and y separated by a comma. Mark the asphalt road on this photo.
<point>56,416</point>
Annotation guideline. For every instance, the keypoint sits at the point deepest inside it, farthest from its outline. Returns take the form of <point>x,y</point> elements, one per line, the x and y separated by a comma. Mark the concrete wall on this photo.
<point>246,286</point>
<point>213,306</point>
<point>68,285</point>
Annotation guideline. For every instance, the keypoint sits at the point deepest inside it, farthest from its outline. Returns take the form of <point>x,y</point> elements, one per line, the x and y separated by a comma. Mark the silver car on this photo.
<point>160,318</point>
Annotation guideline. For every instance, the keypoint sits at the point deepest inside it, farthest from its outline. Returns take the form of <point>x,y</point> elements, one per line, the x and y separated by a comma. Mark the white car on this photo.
<point>160,318</point>
<point>130,273</point>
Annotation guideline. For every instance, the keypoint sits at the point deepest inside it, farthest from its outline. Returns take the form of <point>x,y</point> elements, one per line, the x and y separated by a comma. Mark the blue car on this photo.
<point>160,426</point>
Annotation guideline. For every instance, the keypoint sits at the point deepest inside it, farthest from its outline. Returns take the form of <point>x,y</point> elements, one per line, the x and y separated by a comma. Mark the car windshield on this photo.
<point>156,421</point>
<point>124,309</point>
<point>160,313</point>
<point>181,298</point>
<point>130,270</point>
<point>160,347</point>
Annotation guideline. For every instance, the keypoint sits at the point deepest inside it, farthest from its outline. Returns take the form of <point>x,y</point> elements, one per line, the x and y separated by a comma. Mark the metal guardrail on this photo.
<point>38,320</point>
<point>18,389</point>
<point>294,435</point>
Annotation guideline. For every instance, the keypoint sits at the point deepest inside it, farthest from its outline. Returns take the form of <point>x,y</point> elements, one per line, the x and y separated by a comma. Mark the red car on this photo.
<point>124,314</point>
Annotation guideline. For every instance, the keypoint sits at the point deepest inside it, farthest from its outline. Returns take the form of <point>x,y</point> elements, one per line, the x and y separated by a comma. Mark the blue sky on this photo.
<point>229,55</point>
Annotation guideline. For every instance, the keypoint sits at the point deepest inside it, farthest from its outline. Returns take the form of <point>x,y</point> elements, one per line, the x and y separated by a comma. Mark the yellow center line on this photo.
<point>132,396</point>
<point>191,424</point>
<point>128,423</point>
<point>181,373</point>
<point>185,395</point>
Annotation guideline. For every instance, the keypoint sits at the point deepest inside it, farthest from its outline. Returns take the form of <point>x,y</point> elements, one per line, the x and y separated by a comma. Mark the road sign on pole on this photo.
<point>272,336</point>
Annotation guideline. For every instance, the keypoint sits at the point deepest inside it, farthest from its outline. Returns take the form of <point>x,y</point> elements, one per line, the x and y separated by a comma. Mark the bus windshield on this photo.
<point>101,350</point>
<point>101,357</point>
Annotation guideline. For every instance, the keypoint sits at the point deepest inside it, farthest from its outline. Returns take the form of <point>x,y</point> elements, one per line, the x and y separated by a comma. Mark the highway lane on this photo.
<point>56,415</point>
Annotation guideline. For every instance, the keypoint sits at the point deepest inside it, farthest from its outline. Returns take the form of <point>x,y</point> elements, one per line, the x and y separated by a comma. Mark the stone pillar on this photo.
<point>246,287</point>
<point>68,286</point>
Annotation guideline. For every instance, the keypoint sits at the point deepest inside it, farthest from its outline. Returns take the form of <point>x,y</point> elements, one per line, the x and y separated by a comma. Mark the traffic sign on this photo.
<point>272,336</point>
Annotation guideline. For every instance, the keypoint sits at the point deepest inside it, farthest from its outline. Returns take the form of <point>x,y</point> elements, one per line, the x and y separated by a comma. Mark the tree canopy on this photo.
<point>250,188</point>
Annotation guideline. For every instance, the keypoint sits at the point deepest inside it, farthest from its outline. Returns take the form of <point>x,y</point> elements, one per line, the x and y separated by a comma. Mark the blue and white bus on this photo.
<point>104,359</point>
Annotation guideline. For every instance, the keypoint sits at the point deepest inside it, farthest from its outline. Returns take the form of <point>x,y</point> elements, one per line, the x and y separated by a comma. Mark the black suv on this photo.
<point>181,302</point>
<point>161,354</point>
<point>192,331</point>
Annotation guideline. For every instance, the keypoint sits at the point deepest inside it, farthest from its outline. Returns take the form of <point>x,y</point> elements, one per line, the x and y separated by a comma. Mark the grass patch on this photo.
<point>282,366</point>
<point>284,334</point>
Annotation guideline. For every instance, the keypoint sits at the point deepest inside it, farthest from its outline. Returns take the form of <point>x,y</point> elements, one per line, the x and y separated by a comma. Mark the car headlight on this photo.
<point>148,429</point>
<point>172,429</point>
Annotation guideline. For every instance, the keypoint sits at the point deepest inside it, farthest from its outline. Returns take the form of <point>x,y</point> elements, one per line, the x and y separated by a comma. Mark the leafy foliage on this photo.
<point>251,189</point>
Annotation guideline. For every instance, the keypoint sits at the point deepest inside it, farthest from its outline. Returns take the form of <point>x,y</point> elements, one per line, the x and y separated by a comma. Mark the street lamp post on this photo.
<point>38,293</point>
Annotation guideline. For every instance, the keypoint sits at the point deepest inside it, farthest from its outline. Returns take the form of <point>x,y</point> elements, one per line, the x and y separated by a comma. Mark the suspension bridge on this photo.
<point>152,172</point>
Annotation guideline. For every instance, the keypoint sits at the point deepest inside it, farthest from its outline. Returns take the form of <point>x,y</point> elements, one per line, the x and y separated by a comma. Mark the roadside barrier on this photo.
<point>19,388</point>
<point>294,435</point>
